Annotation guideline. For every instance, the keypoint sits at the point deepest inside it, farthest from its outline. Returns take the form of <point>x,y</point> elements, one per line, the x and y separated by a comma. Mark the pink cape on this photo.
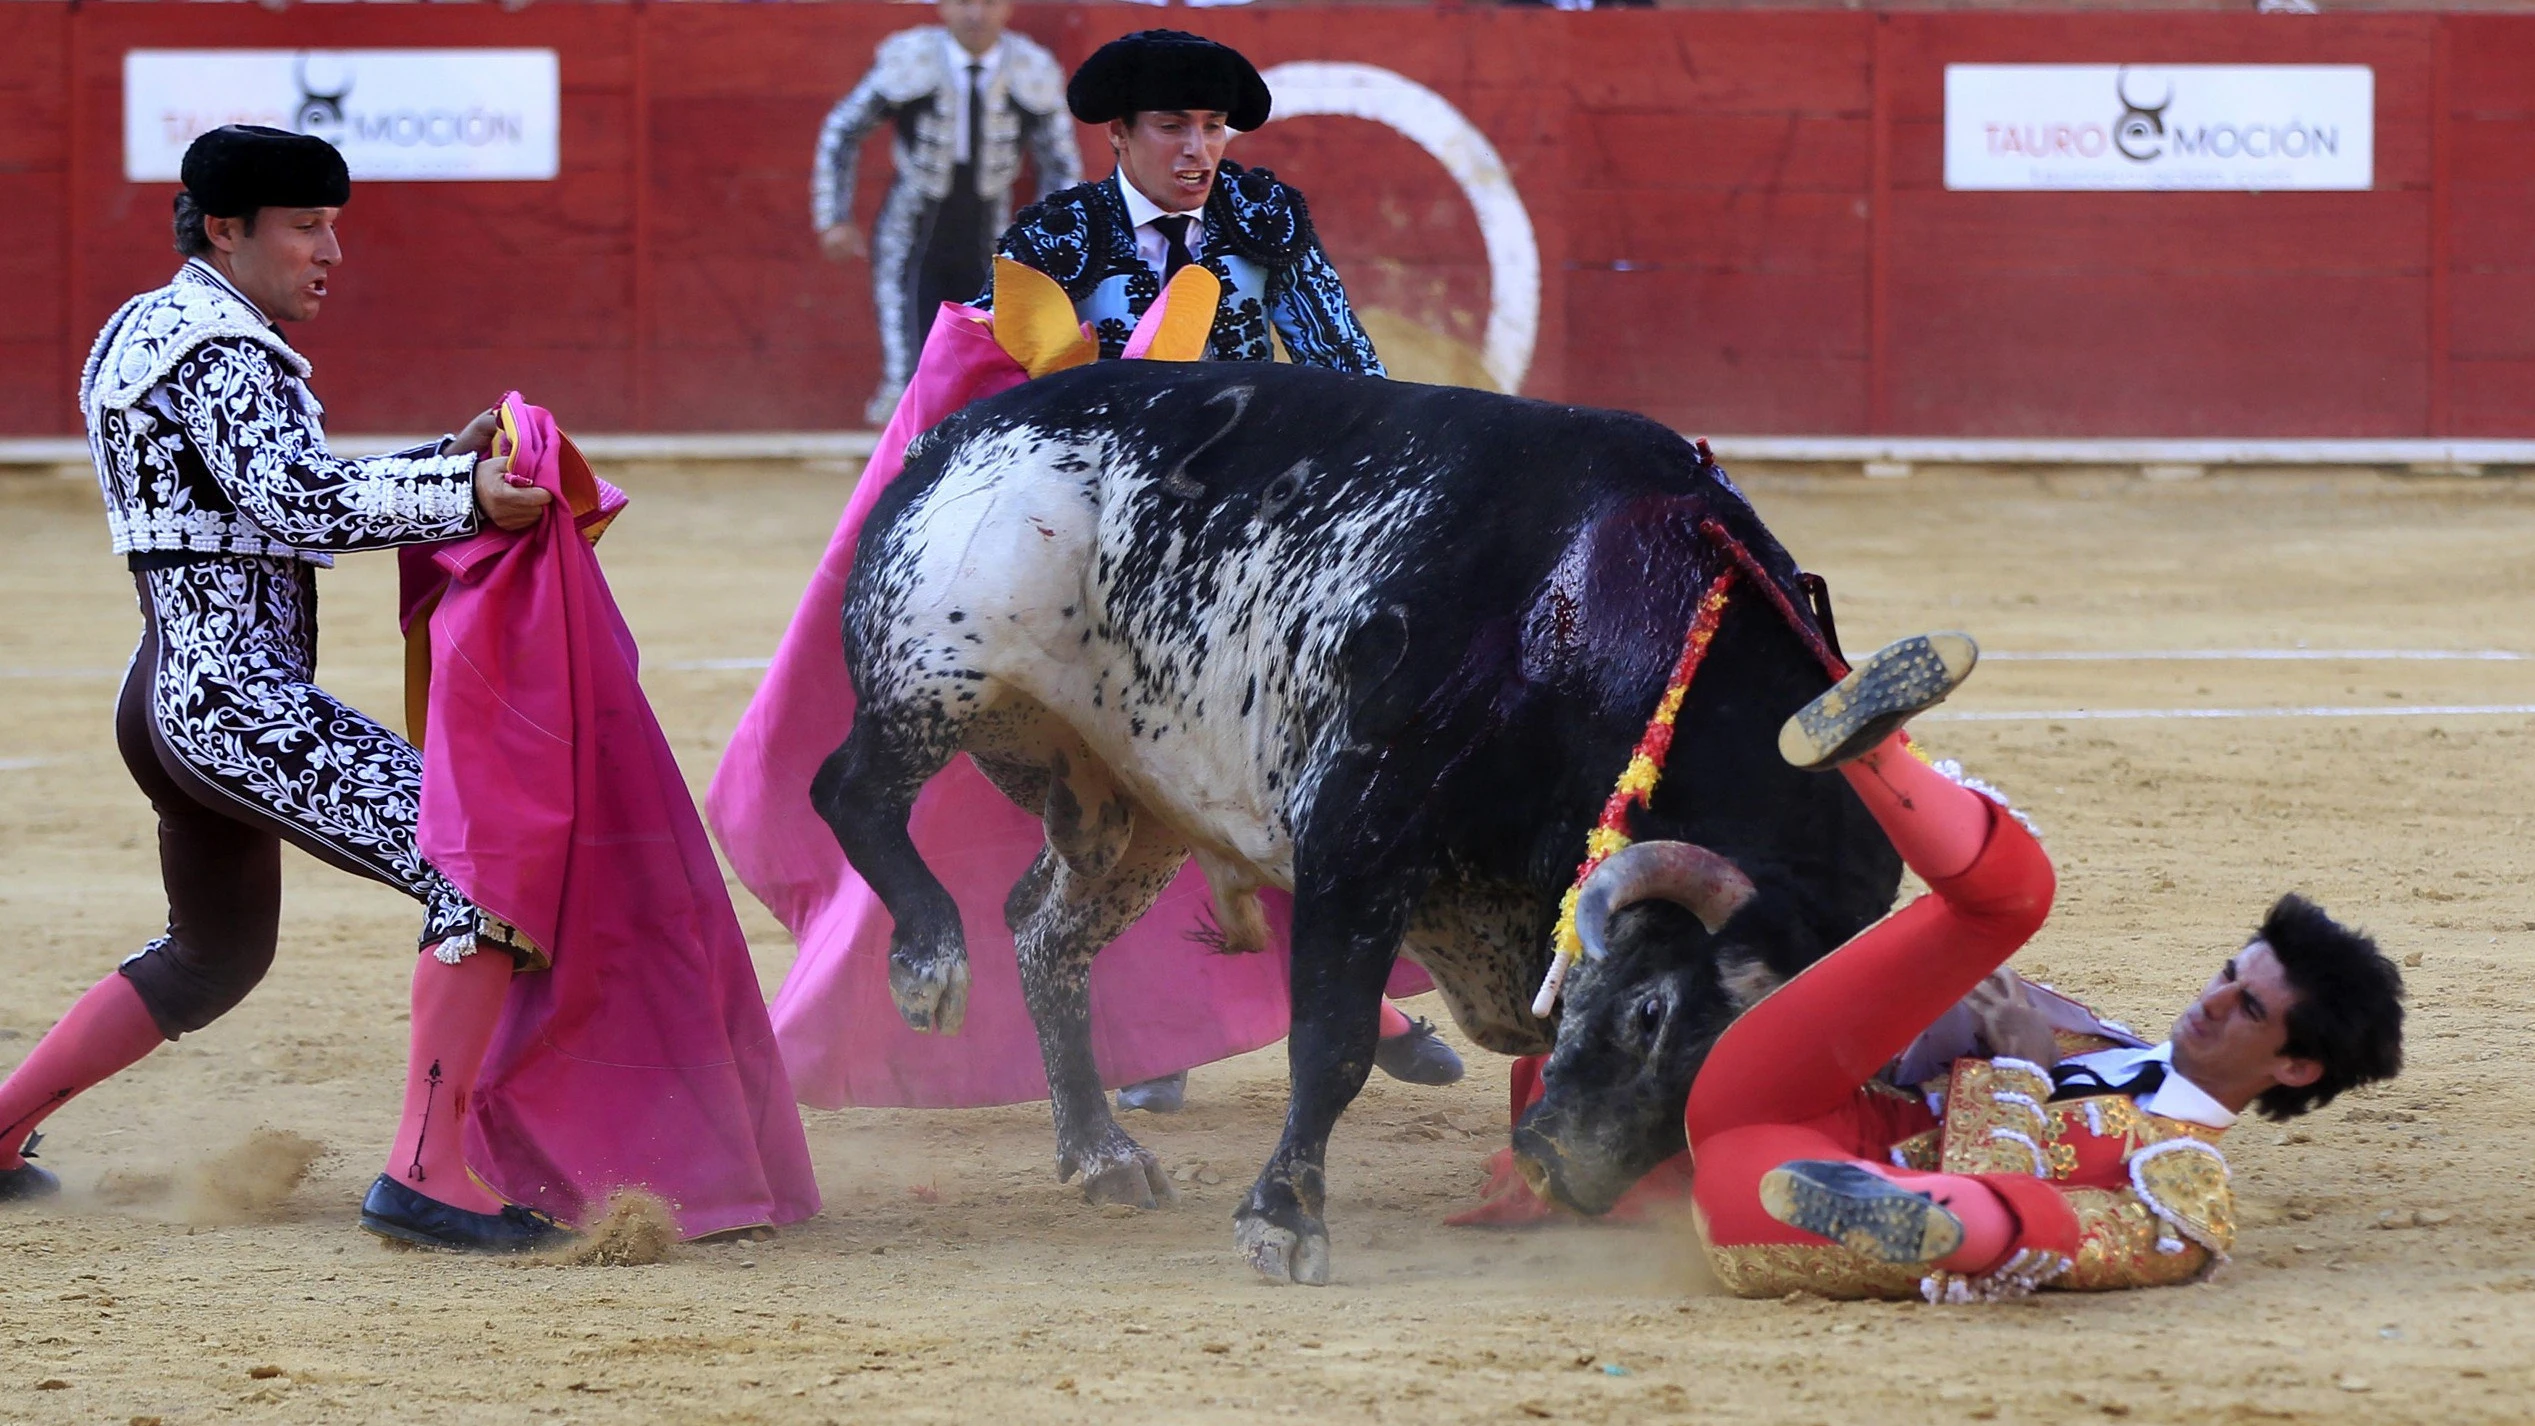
<point>1160,1002</point>
<point>644,1056</point>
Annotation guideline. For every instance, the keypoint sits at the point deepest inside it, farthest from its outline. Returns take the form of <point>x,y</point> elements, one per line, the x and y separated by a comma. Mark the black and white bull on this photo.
<point>1385,645</point>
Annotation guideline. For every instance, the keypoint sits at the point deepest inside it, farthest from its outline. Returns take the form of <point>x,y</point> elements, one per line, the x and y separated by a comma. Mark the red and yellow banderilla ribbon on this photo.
<point>1636,786</point>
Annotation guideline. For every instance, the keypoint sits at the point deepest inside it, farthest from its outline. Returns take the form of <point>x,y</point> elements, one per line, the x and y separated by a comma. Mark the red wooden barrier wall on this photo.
<point>1742,222</point>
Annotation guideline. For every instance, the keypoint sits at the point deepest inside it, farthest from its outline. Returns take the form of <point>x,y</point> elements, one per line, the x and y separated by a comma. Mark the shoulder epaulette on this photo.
<point>1262,219</point>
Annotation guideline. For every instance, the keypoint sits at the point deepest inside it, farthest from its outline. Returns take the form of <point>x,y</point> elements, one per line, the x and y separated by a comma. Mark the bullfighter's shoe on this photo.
<point>1155,1096</point>
<point>398,1213</point>
<point>1860,1210</point>
<point>27,1183</point>
<point>1417,1055</point>
<point>1888,688</point>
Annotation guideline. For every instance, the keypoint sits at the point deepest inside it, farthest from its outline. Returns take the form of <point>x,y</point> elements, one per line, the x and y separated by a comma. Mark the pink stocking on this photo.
<point>1989,1225</point>
<point>107,1030</point>
<point>1937,824</point>
<point>455,1010</point>
<point>1394,1021</point>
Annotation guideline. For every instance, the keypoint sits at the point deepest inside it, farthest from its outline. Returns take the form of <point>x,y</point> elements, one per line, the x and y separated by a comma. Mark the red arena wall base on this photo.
<point>1740,223</point>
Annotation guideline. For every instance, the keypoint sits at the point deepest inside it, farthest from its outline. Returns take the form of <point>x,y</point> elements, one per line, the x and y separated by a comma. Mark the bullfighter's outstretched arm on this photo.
<point>840,153</point>
<point>268,455</point>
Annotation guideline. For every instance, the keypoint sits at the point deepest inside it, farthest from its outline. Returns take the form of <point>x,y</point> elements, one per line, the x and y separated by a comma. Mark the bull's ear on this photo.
<point>1747,980</point>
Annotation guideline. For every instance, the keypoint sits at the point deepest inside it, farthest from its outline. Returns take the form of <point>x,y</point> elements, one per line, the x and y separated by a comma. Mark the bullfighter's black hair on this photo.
<point>2348,1014</point>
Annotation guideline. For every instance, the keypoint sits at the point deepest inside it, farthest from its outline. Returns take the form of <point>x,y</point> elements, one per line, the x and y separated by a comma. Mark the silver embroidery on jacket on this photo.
<point>207,439</point>
<point>233,699</point>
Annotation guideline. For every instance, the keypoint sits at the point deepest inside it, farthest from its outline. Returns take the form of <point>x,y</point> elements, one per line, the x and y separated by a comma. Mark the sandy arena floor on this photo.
<point>2386,1272</point>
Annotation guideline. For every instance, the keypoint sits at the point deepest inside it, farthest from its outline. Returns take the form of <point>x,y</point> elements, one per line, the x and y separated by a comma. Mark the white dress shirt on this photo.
<point>959,60</point>
<point>2176,1098</point>
<point>1151,243</point>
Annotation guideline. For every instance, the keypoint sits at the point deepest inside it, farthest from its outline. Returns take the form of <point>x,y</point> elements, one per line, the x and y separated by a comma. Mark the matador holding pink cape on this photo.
<point>585,1017</point>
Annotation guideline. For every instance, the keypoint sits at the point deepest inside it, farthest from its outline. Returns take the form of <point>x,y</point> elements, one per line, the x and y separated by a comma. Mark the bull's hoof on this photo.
<point>1281,1253</point>
<point>1119,1170</point>
<point>931,994</point>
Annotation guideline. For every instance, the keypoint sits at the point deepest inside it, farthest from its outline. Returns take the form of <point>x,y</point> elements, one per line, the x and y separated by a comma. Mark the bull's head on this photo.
<point>1675,946</point>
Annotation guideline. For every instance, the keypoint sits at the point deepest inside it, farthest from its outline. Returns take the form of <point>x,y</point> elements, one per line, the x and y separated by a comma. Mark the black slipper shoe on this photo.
<point>399,1214</point>
<point>1891,686</point>
<point>1162,1095</point>
<point>1860,1210</point>
<point>1417,1055</point>
<point>27,1183</point>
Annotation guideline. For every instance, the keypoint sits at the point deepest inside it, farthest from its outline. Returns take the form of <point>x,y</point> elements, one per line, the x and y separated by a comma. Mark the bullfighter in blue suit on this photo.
<point>1172,102</point>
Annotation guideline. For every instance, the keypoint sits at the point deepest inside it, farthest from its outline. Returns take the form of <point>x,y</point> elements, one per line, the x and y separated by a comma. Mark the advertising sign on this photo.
<point>2169,126</point>
<point>469,114</point>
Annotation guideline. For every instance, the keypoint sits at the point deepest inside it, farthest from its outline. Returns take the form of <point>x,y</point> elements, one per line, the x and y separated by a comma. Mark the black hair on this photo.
<point>191,238</point>
<point>2348,1013</point>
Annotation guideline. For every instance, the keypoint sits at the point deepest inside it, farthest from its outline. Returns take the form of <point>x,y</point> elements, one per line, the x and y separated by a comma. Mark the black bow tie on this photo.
<point>1174,230</point>
<point>2076,1081</point>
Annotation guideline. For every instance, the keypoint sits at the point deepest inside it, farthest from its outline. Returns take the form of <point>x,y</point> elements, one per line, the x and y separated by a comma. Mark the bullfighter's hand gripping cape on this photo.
<point>640,1054</point>
<point>1161,1002</point>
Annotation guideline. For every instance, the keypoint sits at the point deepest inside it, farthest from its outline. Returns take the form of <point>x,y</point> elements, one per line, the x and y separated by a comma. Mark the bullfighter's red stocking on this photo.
<point>1936,823</point>
<point>1784,1081</point>
<point>106,1031</point>
<point>455,1010</point>
<point>1394,1021</point>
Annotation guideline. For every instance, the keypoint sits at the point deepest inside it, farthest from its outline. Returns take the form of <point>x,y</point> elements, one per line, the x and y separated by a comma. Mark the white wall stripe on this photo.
<point>2084,715</point>
<point>2257,655</point>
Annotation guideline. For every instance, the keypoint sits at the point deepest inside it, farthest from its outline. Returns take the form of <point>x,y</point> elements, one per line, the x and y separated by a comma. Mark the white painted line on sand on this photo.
<point>2257,655</point>
<point>22,764</point>
<point>2086,715</point>
<point>38,671</point>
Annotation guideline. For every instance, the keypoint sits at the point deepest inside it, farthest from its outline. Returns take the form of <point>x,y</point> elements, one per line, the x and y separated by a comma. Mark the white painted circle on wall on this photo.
<point>1427,119</point>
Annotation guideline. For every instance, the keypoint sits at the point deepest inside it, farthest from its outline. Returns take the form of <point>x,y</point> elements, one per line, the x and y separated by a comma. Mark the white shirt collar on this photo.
<point>959,59</point>
<point>1150,245</point>
<point>203,267</point>
<point>1140,209</point>
<point>2176,1098</point>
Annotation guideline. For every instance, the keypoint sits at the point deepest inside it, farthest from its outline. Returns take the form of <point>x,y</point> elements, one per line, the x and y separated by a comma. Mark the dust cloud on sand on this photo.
<point>248,1180</point>
<point>633,1229</point>
<point>2385,1271</point>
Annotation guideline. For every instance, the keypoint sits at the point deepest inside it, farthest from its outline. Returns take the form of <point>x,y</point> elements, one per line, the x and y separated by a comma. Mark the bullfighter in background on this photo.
<point>1906,1118</point>
<point>1172,102</point>
<point>966,99</point>
<point>223,499</point>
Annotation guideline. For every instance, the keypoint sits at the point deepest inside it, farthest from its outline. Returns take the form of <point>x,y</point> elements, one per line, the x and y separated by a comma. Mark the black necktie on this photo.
<point>976,113</point>
<point>2076,1081</point>
<point>1174,230</point>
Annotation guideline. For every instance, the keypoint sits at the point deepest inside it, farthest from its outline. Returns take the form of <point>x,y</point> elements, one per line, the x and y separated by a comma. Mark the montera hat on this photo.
<point>233,170</point>
<point>1167,69</point>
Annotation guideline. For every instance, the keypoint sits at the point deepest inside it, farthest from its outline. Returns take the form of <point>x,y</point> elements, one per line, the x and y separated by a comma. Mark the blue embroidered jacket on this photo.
<point>1259,244</point>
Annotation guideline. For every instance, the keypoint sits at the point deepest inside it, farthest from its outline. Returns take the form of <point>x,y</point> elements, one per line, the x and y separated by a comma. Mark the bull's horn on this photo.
<point>1684,873</point>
